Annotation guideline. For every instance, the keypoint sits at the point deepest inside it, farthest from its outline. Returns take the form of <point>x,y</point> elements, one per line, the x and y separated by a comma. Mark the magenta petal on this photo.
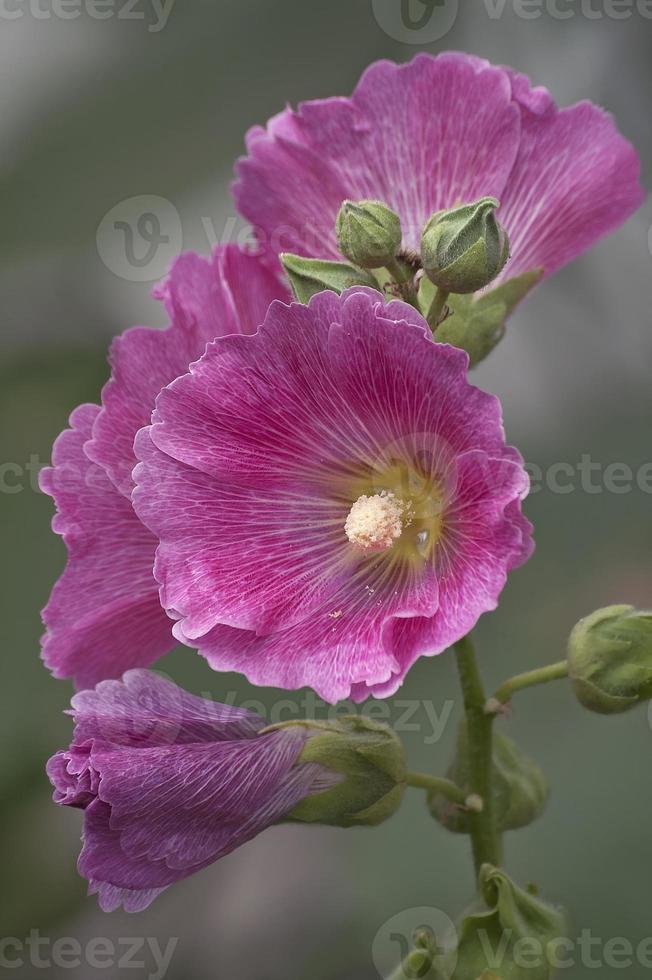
<point>205,298</point>
<point>104,614</point>
<point>575,180</point>
<point>486,535</point>
<point>420,137</point>
<point>255,458</point>
<point>436,132</point>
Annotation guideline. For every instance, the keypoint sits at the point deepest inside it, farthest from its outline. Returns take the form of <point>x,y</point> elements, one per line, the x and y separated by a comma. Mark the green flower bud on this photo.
<point>520,789</point>
<point>368,233</point>
<point>610,659</point>
<point>495,935</point>
<point>463,249</point>
<point>370,758</point>
<point>310,276</point>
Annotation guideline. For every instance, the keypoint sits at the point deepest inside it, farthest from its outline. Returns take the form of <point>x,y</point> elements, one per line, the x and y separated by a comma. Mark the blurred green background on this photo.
<point>95,112</point>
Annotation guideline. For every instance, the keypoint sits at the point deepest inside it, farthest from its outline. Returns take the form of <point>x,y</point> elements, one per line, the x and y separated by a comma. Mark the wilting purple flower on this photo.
<point>431,134</point>
<point>104,614</point>
<point>170,782</point>
<point>333,498</point>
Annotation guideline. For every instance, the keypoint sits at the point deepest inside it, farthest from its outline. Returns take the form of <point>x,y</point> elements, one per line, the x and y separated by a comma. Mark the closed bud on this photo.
<point>610,659</point>
<point>371,761</point>
<point>368,233</point>
<point>463,249</point>
<point>520,789</point>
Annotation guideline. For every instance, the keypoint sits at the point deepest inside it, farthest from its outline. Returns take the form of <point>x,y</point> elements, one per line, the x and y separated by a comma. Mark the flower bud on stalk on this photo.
<point>610,659</point>
<point>371,761</point>
<point>368,233</point>
<point>464,248</point>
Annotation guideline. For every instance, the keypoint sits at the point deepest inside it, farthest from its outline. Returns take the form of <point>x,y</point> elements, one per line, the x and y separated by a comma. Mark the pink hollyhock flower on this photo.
<point>333,498</point>
<point>170,782</point>
<point>104,613</point>
<point>433,133</point>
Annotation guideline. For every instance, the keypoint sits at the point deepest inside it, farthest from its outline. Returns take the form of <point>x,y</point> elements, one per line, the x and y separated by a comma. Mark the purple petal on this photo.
<point>143,709</point>
<point>104,614</point>
<point>246,478</point>
<point>205,298</point>
<point>164,813</point>
<point>419,137</point>
<point>575,180</point>
<point>433,133</point>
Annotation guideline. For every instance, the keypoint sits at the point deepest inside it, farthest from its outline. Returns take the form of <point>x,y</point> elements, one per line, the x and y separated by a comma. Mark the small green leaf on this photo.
<point>477,323</point>
<point>310,276</point>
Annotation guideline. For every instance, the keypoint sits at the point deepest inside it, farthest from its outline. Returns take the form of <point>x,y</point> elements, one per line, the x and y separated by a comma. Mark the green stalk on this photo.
<point>438,784</point>
<point>485,840</point>
<point>437,308</point>
<point>531,678</point>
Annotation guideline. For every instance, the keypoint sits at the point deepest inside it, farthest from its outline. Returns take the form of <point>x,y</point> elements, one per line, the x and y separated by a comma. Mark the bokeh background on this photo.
<point>96,112</point>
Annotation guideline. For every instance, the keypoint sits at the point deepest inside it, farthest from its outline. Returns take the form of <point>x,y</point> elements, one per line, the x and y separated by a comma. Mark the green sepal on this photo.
<point>610,659</point>
<point>520,788</point>
<point>371,760</point>
<point>507,935</point>
<point>310,276</point>
<point>477,323</point>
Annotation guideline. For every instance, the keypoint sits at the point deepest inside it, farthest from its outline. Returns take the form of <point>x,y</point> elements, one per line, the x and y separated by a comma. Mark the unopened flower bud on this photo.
<point>371,761</point>
<point>610,659</point>
<point>463,249</point>
<point>368,233</point>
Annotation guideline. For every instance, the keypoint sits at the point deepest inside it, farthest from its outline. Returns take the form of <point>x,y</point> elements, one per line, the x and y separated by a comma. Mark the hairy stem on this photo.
<point>531,678</point>
<point>439,784</point>
<point>434,314</point>
<point>484,839</point>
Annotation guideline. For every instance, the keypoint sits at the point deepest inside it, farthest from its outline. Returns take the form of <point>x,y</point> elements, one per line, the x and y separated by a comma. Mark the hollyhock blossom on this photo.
<point>104,614</point>
<point>170,782</point>
<point>431,134</point>
<point>332,497</point>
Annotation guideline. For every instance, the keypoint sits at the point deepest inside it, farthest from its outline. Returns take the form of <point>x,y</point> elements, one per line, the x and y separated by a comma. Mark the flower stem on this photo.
<point>437,308</point>
<point>446,787</point>
<point>531,678</point>
<point>404,279</point>
<point>484,839</point>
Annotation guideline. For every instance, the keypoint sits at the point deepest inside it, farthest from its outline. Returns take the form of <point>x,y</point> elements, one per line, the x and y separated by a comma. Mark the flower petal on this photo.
<point>485,536</point>
<point>144,709</point>
<point>164,813</point>
<point>205,298</point>
<point>420,137</point>
<point>104,614</point>
<point>575,180</point>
